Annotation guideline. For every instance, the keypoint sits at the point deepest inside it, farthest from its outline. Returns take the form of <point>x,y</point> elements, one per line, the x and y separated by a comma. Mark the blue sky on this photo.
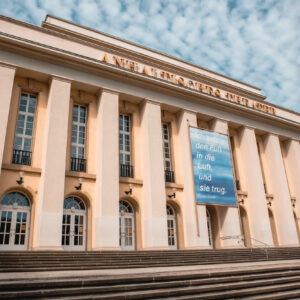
<point>255,41</point>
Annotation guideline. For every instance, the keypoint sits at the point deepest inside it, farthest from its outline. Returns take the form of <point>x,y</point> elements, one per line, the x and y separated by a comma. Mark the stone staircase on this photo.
<point>258,280</point>
<point>88,260</point>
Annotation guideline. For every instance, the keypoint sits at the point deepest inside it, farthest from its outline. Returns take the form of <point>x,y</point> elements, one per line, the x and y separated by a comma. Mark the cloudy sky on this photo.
<point>255,41</point>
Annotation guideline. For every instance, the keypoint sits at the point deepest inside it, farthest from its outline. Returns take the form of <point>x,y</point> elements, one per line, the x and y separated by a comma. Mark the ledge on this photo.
<point>80,175</point>
<point>13,167</point>
<point>174,185</point>
<point>130,180</point>
<point>242,193</point>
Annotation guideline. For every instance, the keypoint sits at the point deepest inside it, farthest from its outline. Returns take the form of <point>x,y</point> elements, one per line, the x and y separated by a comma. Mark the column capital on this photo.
<point>61,78</point>
<point>219,126</point>
<point>7,65</point>
<point>102,90</point>
<point>151,101</point>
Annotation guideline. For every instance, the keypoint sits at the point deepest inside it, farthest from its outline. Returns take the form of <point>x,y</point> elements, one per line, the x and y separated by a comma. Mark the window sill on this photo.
<point>25,168</point>
<point>131,180</point>
<point>80,175</point>
<point>174,185</point>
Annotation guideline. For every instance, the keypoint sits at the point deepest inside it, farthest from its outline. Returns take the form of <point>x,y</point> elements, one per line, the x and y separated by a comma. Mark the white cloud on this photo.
<point>256,41</point>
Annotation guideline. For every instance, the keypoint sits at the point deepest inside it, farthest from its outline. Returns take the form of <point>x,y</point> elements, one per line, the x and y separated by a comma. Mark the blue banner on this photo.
<point>213,177</point>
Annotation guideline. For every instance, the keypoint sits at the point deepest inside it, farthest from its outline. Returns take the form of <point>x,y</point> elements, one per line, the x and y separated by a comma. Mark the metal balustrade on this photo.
<point>21,157</point>
<point>169,176</point>
<point>78,164</point>
<point>126,171</point>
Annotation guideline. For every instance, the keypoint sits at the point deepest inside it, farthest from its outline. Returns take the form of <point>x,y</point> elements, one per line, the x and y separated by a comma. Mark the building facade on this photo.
<point>95,150</point>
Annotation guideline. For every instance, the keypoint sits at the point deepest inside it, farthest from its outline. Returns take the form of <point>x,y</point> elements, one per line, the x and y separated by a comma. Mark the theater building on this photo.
<point>95,148</point>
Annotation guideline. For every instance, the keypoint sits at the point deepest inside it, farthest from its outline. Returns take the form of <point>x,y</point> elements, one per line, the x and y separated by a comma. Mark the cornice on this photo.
<point>45,24</point>
<point>51,29</point>
<point>99,66</point>
<point>6,65</point>
<point>145,59</point>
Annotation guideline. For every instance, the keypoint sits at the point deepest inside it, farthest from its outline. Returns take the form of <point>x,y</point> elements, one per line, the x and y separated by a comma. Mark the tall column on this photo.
<point>291,149</point>
<point>154,215</point>
<point>7,74</point>
<point>51,194</point>
<point>277,182</point>
<point>194,216</point>
<point>252,182</point>
<point>105,213</point>
<point>229,218</point>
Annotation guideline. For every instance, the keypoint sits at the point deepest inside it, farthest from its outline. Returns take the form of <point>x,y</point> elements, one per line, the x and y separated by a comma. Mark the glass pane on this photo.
<point>22,240</point>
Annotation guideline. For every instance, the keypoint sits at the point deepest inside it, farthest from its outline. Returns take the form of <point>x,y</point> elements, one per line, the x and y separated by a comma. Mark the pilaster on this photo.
<point>229,219</point>
<point>291,149</point>
<point>252,182</point>
<point>278,186</point>
<point>194,216</point>
<point>105,218</point>
<point>153,210</point>
<point>7,75</point>
<point>48,223</point>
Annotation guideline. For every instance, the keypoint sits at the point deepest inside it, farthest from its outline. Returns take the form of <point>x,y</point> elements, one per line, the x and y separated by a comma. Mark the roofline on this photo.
<point>22,40</point>
<point>150,49</point>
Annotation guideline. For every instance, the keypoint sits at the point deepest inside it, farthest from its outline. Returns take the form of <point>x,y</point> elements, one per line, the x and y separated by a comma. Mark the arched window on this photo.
<point>75,202</point>
<point>125,207</point>
<point>15,221</point>
<point>170,210</point>
<point>15,198</point>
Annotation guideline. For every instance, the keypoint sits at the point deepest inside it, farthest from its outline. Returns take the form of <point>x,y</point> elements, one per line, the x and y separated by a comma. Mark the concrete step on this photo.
<point>155,286</point>
<point>196,292</point>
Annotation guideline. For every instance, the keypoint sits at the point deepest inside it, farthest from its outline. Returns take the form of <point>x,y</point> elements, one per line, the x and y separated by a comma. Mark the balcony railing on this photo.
<point>126,171</point>
<point>21,157</point>
<point>78,164</point>
<point>169,176</point>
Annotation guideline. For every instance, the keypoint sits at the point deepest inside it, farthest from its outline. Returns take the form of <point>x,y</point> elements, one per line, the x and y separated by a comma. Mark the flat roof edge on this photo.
<point>149,49</point>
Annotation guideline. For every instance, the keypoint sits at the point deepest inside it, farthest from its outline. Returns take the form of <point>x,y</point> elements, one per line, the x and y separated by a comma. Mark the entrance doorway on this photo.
<point>15,220</point>
<point>126,226</point>
<point>171,221</point>
<point>273,227</point>
<point>209,229</point>
<point>297,225</point>
<point>245,227</point>
<point>74,224</point>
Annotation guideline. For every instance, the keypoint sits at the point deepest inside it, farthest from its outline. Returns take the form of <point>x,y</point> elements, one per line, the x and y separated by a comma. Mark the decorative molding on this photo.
<point>31,85</point>
<point>80,96</point>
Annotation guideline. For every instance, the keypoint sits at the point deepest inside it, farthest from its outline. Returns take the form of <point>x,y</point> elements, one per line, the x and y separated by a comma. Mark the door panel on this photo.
<point>14,228</point>
<point>127,241</point>
<point>73,230</point>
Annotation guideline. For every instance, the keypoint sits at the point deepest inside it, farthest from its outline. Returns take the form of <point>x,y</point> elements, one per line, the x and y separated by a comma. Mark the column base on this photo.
<point>47,248</point>
<point>105,249</point>
<point>155,248</point>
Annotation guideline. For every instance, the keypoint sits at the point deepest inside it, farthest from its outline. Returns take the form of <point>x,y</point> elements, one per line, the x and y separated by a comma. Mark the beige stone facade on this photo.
<point>95,148</point>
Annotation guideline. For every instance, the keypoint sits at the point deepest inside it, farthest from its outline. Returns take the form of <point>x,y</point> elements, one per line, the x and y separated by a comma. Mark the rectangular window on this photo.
<point>166,147</point>
<point>24,130</point>
<point>126,169</point>
<point>169,174</point>
<point>78,161</point>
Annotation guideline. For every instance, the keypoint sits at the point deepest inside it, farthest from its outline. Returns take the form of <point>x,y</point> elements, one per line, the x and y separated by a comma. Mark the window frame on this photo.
<point>26,114</point>
<point>123,133</point>
<point>78,124</point>
<point>168,141</point>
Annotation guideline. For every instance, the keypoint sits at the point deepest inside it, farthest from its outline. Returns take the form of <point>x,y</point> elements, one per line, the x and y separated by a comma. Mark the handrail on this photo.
<point>242,238</point>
